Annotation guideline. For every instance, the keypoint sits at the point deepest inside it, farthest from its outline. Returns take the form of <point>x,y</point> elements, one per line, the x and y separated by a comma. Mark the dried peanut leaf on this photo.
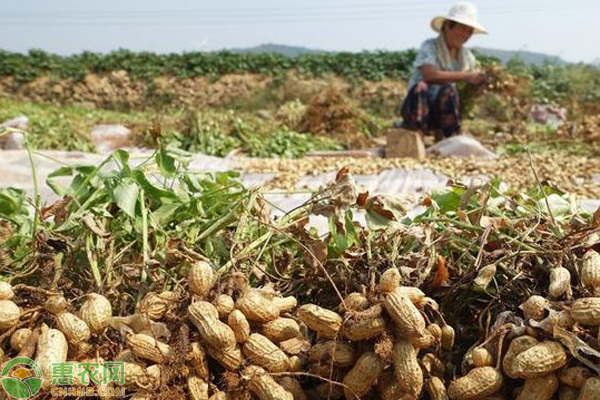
<point>578,348</point>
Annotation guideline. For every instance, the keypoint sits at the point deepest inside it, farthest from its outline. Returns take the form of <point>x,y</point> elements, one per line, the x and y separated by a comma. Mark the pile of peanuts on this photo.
<point>387,344</point>
<point>279,350</point>
<point>541,360</point>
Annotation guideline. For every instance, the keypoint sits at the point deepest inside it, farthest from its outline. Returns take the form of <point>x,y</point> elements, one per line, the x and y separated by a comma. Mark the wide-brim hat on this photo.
<point>463,13</point>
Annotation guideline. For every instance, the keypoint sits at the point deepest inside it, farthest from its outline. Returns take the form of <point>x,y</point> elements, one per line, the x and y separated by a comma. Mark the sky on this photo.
<point>569,29</point>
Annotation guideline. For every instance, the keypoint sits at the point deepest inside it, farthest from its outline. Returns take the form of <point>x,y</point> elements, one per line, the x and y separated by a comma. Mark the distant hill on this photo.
<point>289,51</point>
<point>503,55</point>
<point>527,57</point>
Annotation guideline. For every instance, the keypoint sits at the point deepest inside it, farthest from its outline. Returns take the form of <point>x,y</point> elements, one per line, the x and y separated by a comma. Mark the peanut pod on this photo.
<point>261,351</point>
<point>363,375</point>
<point>263,386</point>
<point>325,322</point>
<point>476,385</point>
<point>206,318</point>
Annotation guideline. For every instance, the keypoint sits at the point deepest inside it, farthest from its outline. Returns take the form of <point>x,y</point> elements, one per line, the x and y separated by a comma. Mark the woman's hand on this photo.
<point>435,77</point>
<point>475,78</point>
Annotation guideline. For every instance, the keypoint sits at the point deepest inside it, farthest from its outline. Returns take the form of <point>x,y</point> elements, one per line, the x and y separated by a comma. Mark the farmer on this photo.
<point>432,102</point>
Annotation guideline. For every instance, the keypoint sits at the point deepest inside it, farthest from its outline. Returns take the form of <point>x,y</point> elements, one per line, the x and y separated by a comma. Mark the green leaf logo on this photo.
<point>22,378</point>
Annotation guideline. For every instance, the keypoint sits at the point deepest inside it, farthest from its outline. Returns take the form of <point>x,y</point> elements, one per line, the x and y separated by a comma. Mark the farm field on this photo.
<point>203,289</point>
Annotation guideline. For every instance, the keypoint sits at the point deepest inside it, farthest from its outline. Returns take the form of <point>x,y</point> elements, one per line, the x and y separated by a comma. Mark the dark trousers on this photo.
<point>425,112</point>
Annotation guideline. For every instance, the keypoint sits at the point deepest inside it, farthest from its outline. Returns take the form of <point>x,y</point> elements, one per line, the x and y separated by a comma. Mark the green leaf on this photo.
<point>165,213</point>
<point>126,196</point>
<point>12,202</point>
<point>16,388</point>
<point>34,384</point>
<point>340,242</point>
<point>62,171</point>
<point>122,157</point>
<point>54,185</point>
<point>166,163</point>
<point>351,234</point>
<point>153,191</point>
<point>448,201</point>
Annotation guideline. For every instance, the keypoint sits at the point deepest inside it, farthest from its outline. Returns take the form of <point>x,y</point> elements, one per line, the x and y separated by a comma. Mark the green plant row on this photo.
<point>365,65</point>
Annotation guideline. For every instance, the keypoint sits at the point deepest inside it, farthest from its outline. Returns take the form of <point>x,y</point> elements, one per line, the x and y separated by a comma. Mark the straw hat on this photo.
<point>463,13</point>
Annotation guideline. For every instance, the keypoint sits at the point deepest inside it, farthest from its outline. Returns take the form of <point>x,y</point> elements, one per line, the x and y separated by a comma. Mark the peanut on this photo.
<point>436,389</point>
<point>239,324</point>
<point>148,348</point>
<point>363,329</point>
<point>542,388</point>
<point>52,347</point>
<point>387,387</point>
<point>407,370</point>
<point>56,304</point>
<point>224,305</point>
<point>19,337</point>
<point>295,346</point>
<point>484,278</point>
<point>260,350</point>
<point>342,354</point>
<point>517,346</point>
<point>136,375</point>
<point>197,388</point>
<point>264,386</point>
<point>206,318</point>
<point>6,291</point>
<point>556,318</point>
<point>447,337</point>
<point>363,375</point>
<point>590,271</point>
<point>74,328</point>
<point>198,359</point>
<point>201,278</point>
<point>96,312</point>
<point>436,331</point>
<point>535,307</point>
<point>155,305</point>
<point>560,282</point>
<point>325,322</point>
<point>231,358</point>
<point>424,340</point>
<point>293,386</point>
<point>390,280</point>
<point>586,311</point>
<point>574,376</point>
<point>285,303</point>
<point>281,329</point>
<point>257,305</point>
<point>296,363</point>
<point>415,294</point>
<point>540,360</point>
<point>591,390</point>
<point>408,319</point>
<point>354,302</point>
<point>482,357</point>
<point>476,385</point>
<point>9,314</point>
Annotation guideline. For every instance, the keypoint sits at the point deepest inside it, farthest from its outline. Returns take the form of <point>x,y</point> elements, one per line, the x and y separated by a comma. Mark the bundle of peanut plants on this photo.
<point>188,280</point>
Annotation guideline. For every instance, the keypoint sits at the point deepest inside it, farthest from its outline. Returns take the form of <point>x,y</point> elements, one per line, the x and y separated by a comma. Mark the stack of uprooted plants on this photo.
<point>470,293</point>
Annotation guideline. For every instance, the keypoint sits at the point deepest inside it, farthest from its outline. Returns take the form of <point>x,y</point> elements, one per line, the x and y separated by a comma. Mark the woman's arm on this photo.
<point>434,76</point>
